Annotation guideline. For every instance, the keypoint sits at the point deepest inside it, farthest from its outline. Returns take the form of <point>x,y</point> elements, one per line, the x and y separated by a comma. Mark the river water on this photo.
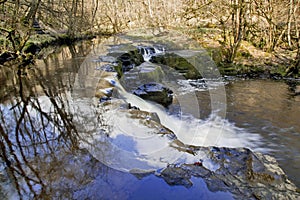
<point>270,109</point>
<point>264,109</point>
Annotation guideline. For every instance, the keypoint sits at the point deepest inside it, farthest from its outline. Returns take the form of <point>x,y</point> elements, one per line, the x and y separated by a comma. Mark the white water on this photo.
<point>132,145</point>
<point>214,131</point>
<point>148,53</point>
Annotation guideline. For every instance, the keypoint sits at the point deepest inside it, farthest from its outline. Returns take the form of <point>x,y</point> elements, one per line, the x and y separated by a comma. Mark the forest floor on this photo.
<point>250,61</point>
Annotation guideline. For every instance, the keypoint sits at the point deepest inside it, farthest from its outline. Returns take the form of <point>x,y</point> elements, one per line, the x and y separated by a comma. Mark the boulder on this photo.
<point>155,92</point>
<point>239,171</point>
<point>145,73</point>
<point>128,61</point>
<point>178,63</point>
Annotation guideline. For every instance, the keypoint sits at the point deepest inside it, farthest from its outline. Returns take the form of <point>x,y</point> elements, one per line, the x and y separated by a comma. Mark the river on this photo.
<point>263,109</point>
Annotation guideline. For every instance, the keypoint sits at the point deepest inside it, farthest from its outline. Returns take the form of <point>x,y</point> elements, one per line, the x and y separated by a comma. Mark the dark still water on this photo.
<point>49,109</point>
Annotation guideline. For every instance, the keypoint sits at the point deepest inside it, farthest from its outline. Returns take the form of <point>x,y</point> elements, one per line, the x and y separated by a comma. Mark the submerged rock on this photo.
<point>155,92</point>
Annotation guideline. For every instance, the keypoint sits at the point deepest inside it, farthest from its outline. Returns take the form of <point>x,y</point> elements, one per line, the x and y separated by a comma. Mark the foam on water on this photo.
<point>149,52</point>
<point>213,131</point>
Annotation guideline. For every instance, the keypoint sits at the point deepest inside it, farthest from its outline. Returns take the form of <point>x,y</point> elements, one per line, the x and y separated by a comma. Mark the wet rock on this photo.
<point>107,68</point>
<point>151,120</point>
<point>128,61</point>
<point>104,99</point>
<point>105,86</point>
<point>137,113</point>
<point>294,87</point>
<point>140,174</point>
<point>176,176</point>
<point>108,59</point>
<point>145,73</point>
<point>155,92</point>
<point>178,63</point>
<point>148,52</point>
<point>246,175</point>
<point>132,107</point>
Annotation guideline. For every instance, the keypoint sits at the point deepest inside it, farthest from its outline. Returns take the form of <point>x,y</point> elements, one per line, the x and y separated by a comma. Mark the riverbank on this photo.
<point>37,42</point>
<point>250,61</point>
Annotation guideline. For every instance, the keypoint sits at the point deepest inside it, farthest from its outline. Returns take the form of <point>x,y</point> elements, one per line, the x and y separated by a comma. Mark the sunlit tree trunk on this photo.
<point>94,10</point>
<point>238,26</point>
<point>291,8</point>
<point>150,9</point>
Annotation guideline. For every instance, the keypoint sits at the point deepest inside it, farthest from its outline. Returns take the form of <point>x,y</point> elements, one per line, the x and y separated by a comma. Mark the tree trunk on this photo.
<point>297,24</point>
<point>34,5</point>
<point>289,23</point>
<point>150,9</point>
<point>238,23</point>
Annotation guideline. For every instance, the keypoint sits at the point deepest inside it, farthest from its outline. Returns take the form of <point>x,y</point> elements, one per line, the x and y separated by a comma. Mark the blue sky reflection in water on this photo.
<point>120,185</point>
<point>113,184</point>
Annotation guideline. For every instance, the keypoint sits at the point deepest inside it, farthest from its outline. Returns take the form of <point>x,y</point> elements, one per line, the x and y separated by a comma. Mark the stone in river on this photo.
<point>155,92</point>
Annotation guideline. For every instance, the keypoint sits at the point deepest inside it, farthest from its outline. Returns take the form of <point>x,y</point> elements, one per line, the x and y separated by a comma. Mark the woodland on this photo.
<point>260,34</point>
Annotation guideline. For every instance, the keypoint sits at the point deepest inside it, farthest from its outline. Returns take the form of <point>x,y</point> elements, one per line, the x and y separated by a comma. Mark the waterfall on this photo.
<point>213,131</point>
<point>147,52</point>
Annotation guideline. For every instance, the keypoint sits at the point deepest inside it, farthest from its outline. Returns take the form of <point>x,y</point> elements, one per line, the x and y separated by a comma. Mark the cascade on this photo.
<point>213,131</point>
<point>148,52</point>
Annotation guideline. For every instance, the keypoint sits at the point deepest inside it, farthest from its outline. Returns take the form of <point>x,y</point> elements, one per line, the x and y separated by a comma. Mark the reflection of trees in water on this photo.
<point>35,123</point>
